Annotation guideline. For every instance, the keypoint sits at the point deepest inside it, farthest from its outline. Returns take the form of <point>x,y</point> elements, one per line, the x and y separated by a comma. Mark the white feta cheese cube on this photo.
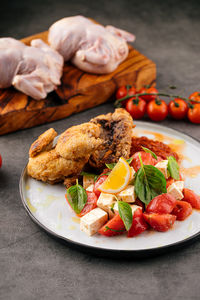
<point>105,201</point>
<point>90,188</point>
<point>180,185</point>
<point>175,189</point>
<point>134,207</point>
<point>127,195</point>
<point>87,181</point>
<point>93,221</point>
<point>162,166</point>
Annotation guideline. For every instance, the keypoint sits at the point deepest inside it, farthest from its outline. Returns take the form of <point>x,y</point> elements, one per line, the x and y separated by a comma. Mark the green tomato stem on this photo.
<point>118,101</point>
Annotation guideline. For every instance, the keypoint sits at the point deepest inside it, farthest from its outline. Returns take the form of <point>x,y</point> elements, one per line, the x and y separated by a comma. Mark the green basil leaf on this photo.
<point>129,160</point>
<point>112,208</point>
<point>125,213</point>
<point>149,151</point>
<point>149,183</point>
<point>115,230</point>
<point>108,173</point>
<point>173,168</point>
<point>111,166</point>
<point>77,197</point>
<point>95,176</point>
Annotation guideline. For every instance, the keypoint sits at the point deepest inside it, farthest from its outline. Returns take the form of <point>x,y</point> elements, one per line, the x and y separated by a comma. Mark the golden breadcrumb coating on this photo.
<point>43,142</point>
<point>116,132</point>
<point>102,140</point>
<point>69,156</point>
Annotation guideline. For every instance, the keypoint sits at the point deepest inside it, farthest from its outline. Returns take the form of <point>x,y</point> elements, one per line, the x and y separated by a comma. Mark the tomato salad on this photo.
<point>132,196</point>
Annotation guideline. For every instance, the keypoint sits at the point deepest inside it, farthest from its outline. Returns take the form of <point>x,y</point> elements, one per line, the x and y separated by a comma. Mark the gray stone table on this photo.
<point>32,264</point>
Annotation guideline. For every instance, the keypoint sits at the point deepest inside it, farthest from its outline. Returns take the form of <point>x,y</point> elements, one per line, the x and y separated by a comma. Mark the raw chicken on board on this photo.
<point>91,47</point>
<point>34,70</point>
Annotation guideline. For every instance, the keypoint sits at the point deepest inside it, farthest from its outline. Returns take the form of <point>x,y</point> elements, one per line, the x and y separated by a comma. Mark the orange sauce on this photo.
<point>191,172</point>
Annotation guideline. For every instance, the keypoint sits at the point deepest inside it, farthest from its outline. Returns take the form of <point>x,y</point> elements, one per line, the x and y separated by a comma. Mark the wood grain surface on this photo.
<point>78,91</point>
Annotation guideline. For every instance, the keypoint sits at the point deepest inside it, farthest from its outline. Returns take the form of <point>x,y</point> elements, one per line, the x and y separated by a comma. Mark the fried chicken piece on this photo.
<point>78,141</point>
<point>116,133</point>
<point>157,147</point>
<point>69,156</point>
<point>44,142</point>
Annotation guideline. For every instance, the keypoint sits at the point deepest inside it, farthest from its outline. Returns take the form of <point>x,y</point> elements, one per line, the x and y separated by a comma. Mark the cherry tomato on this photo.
<point>192,198</point>
<point>90,204</point>
<point>98,183</point>
<point>0,161</point>
<point>136,108</point>
<point>162,204</point>
<point>123,91</point>
<point>159,222</point>
<point>157,110</point>
<point>150,90</point>
<point>194,114</point>
<point>116,224</point>
<point>195,96</point>
<point>182,210</point>
<point>140,203</point>
<point>178,108</point>
<point>147,159</point>
<point>139,225</point>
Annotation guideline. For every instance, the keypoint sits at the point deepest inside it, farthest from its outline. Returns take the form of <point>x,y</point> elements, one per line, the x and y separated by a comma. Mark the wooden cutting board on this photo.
<point>78,91</point>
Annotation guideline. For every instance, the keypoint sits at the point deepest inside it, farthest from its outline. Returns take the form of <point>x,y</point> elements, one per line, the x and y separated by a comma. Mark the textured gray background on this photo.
<point>34,265</point>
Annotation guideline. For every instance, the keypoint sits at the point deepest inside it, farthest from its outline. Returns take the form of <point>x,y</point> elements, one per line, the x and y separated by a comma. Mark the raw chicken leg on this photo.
<point>91,47</point>
<point>35,70</point>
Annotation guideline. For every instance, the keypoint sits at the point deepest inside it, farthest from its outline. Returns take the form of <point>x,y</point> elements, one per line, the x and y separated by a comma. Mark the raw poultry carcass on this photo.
<point>91,47</point>
<point>34,70</point>
<point>103,139</point>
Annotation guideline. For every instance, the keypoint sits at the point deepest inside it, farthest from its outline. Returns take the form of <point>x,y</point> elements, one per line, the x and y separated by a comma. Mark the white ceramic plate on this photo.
<point>47,206</point>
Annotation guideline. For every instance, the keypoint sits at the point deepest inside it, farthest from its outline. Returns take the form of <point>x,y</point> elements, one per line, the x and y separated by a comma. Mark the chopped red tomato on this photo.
<point>159,222</point>
<point>140,203</point>
<point>162,204</point>
<point>139,225</point>
<point>90,204</point>
<point>182,210</point>
<point>147,159</point>
<point>169,181</point>
<point>98,183</point>
<point>115,226</point>
<point>192,198</point>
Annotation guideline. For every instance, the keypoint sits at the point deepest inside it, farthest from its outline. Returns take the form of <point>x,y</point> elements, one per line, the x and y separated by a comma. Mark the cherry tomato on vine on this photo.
<point>178,108</point>
<point>195,96</point>
<point>157,110</point>
<point>150,90</point>
<point>194,113</point>
<point>136,107</point>
<point>123,91</point>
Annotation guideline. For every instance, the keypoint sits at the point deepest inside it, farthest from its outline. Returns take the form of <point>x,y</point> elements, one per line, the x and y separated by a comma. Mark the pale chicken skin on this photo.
<point>34,70</point>
<point>91,47</point>
<point>102,140</point>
